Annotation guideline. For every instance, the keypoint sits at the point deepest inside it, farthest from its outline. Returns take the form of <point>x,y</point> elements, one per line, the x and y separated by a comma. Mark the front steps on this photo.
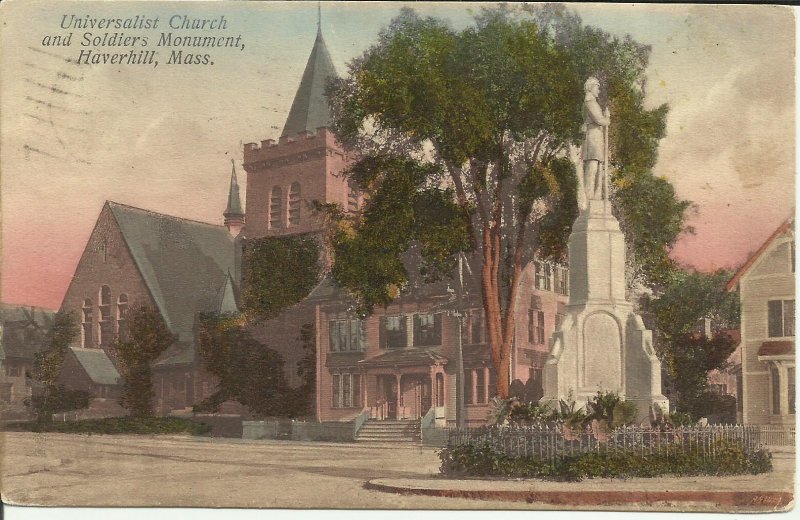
<point>390,431</point>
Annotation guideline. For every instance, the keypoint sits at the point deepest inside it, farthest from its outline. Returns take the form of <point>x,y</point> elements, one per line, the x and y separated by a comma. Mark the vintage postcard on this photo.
<point>441,256</point>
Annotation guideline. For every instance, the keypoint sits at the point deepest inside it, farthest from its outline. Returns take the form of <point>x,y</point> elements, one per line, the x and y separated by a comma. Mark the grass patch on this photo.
<point>122,425</point>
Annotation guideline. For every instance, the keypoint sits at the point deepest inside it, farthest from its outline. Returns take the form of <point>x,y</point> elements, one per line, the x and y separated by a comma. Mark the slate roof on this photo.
<point>97,365</point>
<point>310,106</point>
<point>234,202</point>
<point>184,263</point>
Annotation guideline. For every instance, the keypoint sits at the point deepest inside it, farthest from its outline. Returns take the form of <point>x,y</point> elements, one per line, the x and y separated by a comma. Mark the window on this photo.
<point>346,336</point>
<point>468,390</point>
<point>275,208</point>
<point>790,381</point>
<point>346,390</point>
<point>13,371</point>
<point>562,280</point>
<point>776,390</point>
<point>781,318</point>
<point>439,390</point>
<point>476,326</point>
<point>492,383</point>
<point>294,204</point>
<point>427,330</point>
<point>5,392</point>
<point>122,323</point>
<point>480,383</point>
<point>539,276</point>
<point>86,323</point>
<point>393,332</point>
<point>104,324</point>
<point>536,326</point>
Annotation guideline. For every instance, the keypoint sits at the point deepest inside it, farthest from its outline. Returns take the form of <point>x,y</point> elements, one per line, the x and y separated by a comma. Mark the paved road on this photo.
<point>79,470</point>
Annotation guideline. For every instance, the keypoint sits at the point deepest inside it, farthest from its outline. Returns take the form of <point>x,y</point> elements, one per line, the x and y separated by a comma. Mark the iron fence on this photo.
<point>554,442</point>
<point>777,435</point>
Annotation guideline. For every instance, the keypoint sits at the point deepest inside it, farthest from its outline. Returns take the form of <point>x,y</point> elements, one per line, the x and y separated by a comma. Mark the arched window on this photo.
<point>86,324</point>
<point>275,208</point>
<point>294,204</point>
<point>105,325</point>
<point>122,324</point>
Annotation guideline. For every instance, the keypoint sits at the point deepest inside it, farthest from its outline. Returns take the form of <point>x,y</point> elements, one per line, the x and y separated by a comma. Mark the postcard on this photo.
<point>422,255</point>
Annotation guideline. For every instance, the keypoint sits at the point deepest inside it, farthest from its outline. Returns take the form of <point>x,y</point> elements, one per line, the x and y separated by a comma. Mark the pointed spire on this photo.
<point>234,216</point>
<point>310,106</point>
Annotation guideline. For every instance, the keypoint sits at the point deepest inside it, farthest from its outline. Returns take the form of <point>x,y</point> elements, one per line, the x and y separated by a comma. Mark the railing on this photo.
<point>359,421</point>
<point>551,443</point>
<point>777,435</point>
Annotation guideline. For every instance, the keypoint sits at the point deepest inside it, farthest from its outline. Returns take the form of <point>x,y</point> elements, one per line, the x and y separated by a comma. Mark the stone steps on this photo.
<point>395,431</point>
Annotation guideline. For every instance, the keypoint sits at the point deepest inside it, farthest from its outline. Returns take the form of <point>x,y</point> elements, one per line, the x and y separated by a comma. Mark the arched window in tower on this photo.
<point>352,196</point>
<point>86,324</point>
<point>294,204</point>
<point>122,324</point>
<point>275,208</point>
<point>105,326</point>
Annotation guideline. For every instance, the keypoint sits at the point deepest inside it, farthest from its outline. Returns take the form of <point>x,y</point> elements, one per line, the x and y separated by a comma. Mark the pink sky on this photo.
<point>162,138</point>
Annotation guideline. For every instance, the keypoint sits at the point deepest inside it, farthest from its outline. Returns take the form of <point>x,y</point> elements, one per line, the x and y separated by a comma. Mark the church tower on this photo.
<point>234,216</point>
<point>305,165</point>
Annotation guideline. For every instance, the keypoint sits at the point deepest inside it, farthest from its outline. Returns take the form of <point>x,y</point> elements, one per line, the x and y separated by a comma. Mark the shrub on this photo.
<point>484,461</point>
<point>55,399</point>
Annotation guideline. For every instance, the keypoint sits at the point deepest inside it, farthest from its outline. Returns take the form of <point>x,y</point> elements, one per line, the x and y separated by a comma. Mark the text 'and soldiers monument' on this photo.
<point>602,344</point>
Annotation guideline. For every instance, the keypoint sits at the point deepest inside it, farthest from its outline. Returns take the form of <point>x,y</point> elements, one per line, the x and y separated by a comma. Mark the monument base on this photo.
<point>602,344</point>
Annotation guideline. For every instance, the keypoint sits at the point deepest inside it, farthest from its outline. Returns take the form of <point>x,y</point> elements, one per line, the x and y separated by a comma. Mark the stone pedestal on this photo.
<point>602,344</point>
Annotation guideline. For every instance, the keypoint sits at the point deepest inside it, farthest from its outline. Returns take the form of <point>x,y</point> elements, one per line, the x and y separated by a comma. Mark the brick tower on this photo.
<point>305,165</point>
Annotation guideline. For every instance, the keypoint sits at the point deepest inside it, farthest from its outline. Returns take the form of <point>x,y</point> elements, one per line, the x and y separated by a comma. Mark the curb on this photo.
<point>760,500</point>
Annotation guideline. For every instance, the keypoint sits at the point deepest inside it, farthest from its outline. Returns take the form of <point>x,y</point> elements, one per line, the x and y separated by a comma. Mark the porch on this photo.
<point>406,384</point>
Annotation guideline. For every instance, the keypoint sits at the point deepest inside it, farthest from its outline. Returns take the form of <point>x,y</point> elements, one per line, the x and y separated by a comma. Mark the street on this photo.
<point>127,470</point>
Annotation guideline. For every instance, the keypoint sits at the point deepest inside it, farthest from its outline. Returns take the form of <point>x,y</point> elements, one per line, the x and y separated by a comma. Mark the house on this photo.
<point>137,257</point>
<point>402,361</point>
<point>766,284</point>
<point>23,330</point>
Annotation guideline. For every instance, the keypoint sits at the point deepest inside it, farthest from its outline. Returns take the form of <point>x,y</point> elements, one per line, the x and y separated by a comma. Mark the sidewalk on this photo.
<point>767,492</point>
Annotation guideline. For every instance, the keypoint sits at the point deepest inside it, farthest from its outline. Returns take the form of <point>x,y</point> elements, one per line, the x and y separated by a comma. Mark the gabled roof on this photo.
<point>24,330</point>
<point>184,263</point>
<point>97,365</point>
<point>783,228</point>
<point>310,106</point>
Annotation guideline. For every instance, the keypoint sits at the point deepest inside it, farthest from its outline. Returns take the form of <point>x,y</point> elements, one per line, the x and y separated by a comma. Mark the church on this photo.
<point>399,364</point>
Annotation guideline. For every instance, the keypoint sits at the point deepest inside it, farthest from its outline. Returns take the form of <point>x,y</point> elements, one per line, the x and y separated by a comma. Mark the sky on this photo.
<point>161,138</point>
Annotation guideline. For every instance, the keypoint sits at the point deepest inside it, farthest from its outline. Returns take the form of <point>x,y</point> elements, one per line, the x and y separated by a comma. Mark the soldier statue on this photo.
<point>595,146</point>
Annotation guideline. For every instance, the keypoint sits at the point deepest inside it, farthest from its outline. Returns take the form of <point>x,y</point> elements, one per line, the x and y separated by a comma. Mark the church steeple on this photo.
<point>234,216</point>
<point>310,106</point>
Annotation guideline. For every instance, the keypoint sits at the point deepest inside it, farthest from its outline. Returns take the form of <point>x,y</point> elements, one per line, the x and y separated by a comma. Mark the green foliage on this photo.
<point>307,371</point>
<point>687,356</point>
<point>52,397</point>
<point>47,363</point>
<point>280,271</point>
<point>148,338</point>
<point>463,138</point>
<point>607,408</point>
<point>56,399</point>
<point>124,425</point>
<point>729,458</point>
<point>247,371</point>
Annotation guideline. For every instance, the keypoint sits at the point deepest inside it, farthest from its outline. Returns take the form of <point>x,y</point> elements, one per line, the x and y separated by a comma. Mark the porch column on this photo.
<point>399,413</point>
<point>784,388</point>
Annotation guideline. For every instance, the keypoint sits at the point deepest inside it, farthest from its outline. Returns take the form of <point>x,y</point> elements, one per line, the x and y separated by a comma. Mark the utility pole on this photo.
<point>459,350</point>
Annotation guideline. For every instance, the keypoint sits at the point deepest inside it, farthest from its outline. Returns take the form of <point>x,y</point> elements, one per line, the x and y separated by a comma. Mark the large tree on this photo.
<point>465,139</point>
